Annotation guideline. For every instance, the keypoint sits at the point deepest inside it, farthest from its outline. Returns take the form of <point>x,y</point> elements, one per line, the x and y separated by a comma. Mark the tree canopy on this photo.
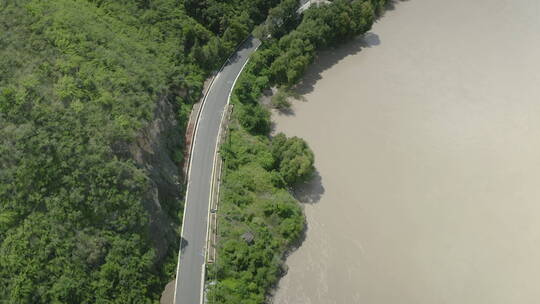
<point>261,170</point>
<point>79,81</point>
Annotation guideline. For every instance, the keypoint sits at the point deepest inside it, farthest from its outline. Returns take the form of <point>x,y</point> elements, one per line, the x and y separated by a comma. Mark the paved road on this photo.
<point>304,4</point>
<point>190,274</point>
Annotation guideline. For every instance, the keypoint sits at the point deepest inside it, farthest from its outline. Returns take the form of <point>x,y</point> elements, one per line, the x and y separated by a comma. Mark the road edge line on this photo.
<point>198,119</point>
<point>214,167</point>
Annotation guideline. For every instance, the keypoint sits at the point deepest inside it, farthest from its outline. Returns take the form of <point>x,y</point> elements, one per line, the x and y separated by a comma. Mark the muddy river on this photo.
<point>427,141</point>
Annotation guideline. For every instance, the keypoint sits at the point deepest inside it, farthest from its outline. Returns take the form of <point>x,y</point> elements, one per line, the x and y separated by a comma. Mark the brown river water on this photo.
<point>427,141</point>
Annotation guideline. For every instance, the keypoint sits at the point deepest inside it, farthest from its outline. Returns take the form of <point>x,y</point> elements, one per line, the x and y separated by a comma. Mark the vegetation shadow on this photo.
<point>248,43</point>
<point>331,56</point>
<point>391,5</point>
<point>183,244</point>
<point>311,191</point>
<point>286,112</point>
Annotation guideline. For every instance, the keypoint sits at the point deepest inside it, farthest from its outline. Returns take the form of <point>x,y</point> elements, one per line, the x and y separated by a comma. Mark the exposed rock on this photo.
<point>248,237</point>
<point>154,150</point>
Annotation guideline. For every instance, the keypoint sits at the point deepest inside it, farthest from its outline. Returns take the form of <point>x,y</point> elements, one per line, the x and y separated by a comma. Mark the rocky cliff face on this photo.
<point>154,150</point>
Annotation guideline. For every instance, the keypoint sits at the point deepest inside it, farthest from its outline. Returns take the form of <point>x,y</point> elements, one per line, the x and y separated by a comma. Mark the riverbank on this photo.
<point>428,180</point>
<point>258,218</point>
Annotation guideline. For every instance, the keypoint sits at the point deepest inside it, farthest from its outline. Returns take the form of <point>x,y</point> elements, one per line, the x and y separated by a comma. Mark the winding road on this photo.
<point>191,265</point>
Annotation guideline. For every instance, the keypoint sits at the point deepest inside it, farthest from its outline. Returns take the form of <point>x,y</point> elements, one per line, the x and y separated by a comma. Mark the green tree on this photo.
<point>255,118</point>
<point>280,100</point>
<point>282,18</point>
<point>294,158</point>
<point>79,85</point>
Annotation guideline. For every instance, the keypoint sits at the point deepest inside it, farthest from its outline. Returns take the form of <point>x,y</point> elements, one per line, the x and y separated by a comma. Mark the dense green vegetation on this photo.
<point>260,171</point>
<point>280,20</point>
<point>284,61</point>
<point>223,16</point>
<point>79,80</point>
<point>255,199</point>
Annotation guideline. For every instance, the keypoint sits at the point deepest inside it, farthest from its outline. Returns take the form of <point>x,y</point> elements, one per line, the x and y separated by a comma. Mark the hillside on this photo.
<point>94,97</point>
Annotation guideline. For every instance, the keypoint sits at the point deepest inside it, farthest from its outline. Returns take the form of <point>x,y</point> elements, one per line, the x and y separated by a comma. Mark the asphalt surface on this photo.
<point>192,252</point>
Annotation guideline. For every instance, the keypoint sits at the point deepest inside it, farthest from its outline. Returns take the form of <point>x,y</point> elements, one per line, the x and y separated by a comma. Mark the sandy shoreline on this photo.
<point>427,144</point>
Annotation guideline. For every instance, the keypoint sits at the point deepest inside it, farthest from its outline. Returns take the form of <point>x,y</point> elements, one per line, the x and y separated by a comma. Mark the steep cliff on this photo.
<point>154,149</point>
